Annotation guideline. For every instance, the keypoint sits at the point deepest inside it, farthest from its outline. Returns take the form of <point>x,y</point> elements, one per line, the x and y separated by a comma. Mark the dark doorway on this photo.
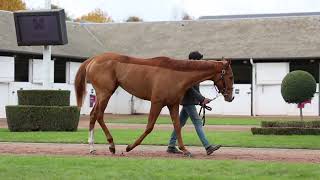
<point>306,65</point>
<point>59,71</point>
<point>21,69</point>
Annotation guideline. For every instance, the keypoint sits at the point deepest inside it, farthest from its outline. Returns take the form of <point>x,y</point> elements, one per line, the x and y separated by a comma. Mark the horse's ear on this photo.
<point>228,62</point>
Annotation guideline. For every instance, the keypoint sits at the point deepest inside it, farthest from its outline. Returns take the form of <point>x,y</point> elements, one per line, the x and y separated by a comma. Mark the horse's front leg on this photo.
<point>153,115</point>
<point>174,113</point>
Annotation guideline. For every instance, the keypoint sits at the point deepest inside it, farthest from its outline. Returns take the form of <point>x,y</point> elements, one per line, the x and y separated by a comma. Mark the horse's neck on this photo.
<point>197,76</point>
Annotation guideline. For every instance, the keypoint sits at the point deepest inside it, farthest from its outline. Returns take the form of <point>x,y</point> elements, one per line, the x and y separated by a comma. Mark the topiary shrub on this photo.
<point>44,97</point>
<point>298,87</point>
<point>43,110</point>
<point>42,118</point>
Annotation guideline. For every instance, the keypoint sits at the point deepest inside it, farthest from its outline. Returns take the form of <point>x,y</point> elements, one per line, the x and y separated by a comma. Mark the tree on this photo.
<point>298,87</point>
<point>68,18</point>
<point>97,16</point>
<point>12,5</point>
<point>134,19</point>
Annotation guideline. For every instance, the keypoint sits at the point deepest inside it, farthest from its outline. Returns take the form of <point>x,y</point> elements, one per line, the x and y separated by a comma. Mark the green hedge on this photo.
<point>42,118</point>
<point>303,124</point>
<point>44,97</point>
<point>285,131</point>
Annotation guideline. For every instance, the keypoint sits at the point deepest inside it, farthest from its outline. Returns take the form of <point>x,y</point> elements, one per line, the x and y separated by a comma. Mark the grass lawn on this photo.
<point>160,137</point>
<point>209,120</point>
<point>59,167</point>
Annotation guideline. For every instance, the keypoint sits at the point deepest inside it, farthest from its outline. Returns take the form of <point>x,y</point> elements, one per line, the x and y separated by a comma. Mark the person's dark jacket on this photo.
<point>192,96</point>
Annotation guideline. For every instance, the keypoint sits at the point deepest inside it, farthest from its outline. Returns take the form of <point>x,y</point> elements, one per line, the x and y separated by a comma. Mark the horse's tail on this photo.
<point>80,82</point>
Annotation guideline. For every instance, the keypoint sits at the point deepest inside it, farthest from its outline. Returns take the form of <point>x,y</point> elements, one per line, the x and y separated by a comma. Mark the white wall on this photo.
<point>311,109</point>
<point>7,69</point>
<point>271,73</point>
<point>268,96</point>
<point>120,102</point>
<point>269,100</point>
<point>268,88</point>
<point>71,70</point>
<point>38,71</point>
<point>240,106</point>
<point>4,98</point>
<point>6,76</point>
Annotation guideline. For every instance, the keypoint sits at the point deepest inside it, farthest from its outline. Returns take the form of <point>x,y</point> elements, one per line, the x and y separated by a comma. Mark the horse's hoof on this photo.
<point>188,154</point>
<point>93,152</point>
<point>112,150</point>
<point>128,148</point>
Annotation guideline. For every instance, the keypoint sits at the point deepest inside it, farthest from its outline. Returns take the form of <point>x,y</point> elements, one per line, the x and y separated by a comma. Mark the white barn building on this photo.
<point>263,50</point>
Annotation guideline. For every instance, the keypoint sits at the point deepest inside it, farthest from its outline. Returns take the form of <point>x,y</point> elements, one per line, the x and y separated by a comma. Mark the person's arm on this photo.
<point>194,93</point>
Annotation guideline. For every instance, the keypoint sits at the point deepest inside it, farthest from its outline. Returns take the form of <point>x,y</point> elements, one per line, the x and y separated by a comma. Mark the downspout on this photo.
<point>253,89</point>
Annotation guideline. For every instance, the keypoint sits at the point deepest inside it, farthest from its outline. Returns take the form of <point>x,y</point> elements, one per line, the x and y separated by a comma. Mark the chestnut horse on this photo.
<point>161,80</point>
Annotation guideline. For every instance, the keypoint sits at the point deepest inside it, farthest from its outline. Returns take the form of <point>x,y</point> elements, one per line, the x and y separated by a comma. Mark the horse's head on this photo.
<point>224,80</point>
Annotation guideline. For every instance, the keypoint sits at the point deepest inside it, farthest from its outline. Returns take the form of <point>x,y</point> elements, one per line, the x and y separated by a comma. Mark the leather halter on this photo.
<point>224,89</point>
<point>223,92</point>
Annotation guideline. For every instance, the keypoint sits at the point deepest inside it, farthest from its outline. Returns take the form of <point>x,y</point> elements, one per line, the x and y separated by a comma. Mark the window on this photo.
<point>21,69</point>
<point>306,65</point>
<point>241,72</point>
<point>59,71</point>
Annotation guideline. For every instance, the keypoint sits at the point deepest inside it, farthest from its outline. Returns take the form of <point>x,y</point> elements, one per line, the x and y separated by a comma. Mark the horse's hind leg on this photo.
<point>103,101</point>
<point>174,113</point>
<point>93,119</point>
<point>154,113</point>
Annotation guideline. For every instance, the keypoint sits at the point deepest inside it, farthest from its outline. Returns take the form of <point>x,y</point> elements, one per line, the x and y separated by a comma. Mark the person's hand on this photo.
<point>206,101</point>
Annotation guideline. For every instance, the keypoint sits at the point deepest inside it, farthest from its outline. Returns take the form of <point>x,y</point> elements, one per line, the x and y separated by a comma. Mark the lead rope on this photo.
<point>204,107</point>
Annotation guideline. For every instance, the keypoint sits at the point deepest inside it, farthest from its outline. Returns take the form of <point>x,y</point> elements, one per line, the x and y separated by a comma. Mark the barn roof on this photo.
<point>264,37</point>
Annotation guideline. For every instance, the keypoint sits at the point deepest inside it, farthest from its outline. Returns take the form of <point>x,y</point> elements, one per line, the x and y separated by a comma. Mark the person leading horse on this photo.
<point>146,79</point>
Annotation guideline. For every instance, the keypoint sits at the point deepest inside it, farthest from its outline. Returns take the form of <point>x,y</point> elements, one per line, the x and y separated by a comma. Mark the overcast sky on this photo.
<point>164,10</point>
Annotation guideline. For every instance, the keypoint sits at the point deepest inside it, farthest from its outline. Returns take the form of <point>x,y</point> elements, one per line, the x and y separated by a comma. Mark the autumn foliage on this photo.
<point>97,16</point>
<point>12,5</point>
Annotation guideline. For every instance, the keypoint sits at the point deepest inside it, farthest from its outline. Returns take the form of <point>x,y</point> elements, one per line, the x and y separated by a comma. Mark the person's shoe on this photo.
<point>173,150</point>
<point>212,148</point>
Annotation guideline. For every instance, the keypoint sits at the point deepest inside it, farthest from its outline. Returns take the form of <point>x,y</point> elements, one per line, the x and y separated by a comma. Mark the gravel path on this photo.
<point>147,151</point>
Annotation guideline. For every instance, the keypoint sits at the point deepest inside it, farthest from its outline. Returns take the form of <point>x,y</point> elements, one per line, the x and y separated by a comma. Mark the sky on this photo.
<point>167,10</point>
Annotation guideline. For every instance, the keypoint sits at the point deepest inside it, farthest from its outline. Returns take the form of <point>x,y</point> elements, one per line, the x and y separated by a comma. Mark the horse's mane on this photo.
<point>168,63</point>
